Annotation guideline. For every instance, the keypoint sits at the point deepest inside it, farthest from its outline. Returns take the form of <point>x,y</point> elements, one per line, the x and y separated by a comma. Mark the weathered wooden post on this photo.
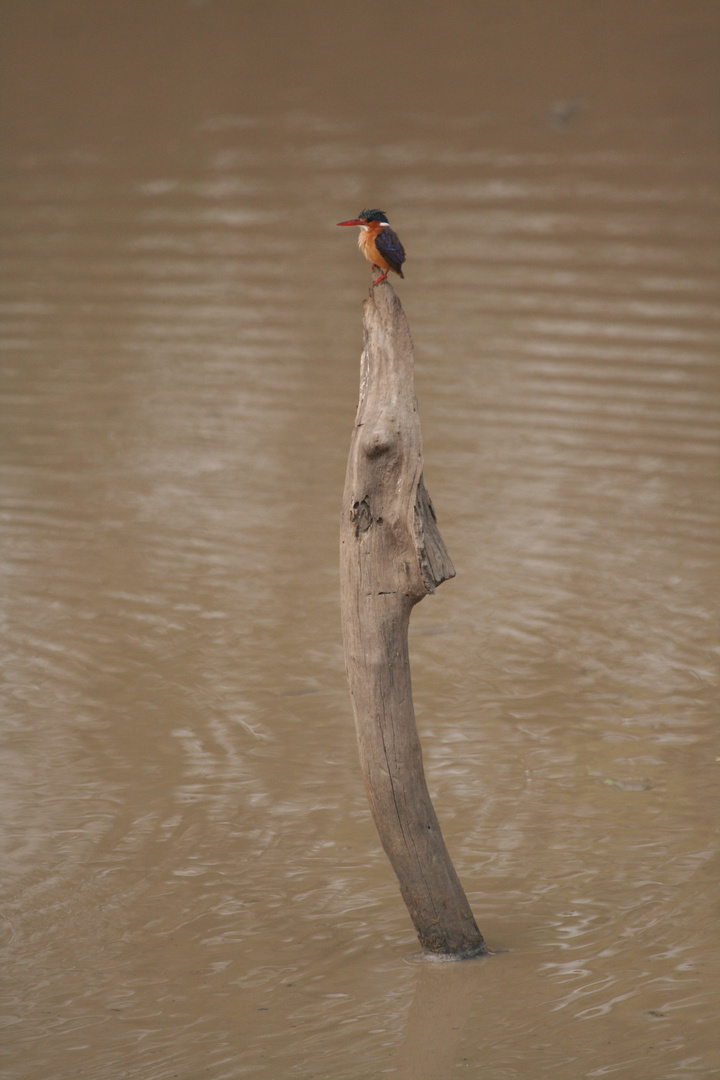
<point>391,556</point>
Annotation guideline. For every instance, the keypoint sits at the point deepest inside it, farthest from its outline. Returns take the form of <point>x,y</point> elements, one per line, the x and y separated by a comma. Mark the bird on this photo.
<point>379,244</point>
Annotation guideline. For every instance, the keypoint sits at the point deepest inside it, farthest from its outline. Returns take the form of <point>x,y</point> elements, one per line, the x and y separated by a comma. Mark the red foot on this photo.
<point>381,278</point>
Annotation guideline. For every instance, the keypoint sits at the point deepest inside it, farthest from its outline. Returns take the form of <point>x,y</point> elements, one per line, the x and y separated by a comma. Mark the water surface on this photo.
<point>192,885</point>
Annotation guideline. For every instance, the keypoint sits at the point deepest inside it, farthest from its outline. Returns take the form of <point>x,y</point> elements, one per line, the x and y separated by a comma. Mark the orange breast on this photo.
<point>366,243</point>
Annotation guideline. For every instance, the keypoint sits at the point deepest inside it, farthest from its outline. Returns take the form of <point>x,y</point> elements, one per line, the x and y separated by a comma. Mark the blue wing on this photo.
<point>388,244</point>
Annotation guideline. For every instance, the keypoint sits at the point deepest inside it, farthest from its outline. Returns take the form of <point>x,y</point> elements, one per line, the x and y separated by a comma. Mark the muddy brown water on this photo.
<point>191,882</point>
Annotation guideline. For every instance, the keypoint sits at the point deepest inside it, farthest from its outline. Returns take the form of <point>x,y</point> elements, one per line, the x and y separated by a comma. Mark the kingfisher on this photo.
<point>378,243</point>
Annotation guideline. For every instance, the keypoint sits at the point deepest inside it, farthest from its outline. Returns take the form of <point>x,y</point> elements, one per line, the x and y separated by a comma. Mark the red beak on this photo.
<point>355,221</point>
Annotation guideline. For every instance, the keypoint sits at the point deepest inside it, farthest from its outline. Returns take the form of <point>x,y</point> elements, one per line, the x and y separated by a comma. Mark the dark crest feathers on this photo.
<point>374,215</point>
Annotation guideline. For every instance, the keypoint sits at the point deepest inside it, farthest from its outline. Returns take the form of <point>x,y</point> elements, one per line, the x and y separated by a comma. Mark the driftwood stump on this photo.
<point>392,555</point>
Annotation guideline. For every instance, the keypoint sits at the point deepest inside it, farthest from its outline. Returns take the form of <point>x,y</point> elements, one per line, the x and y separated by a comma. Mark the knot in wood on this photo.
<point>361,516</point>
<point>378,441</point>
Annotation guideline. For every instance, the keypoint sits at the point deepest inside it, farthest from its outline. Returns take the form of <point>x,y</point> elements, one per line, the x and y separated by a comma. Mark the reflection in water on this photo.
<point>191,881</point>
<point>437,1019</point>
